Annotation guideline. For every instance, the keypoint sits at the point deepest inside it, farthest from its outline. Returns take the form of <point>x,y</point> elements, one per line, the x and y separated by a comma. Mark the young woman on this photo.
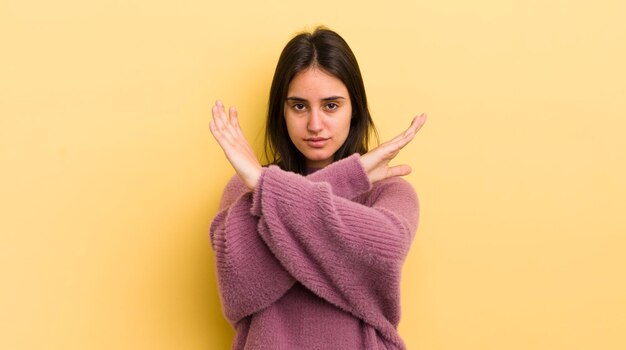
<point>309,249</point>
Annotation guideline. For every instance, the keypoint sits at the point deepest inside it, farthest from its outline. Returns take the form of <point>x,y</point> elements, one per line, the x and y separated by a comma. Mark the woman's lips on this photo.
<point>316,142</point>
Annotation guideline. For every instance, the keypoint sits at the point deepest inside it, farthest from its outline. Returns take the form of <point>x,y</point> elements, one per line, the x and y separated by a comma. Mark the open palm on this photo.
<point>238,151</point>
<point>376,161</point>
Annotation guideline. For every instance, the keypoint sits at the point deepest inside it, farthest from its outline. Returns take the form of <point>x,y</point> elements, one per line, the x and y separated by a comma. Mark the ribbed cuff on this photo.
<point>347,177</point>
<point>255,209</point>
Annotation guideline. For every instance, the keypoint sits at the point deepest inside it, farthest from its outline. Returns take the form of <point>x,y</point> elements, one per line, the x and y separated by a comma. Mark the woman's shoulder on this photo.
<point>235,183</point>
<point>234,188</point>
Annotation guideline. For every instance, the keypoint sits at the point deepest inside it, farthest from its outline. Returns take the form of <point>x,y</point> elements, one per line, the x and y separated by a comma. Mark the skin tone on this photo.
<point>318,122</point>
<point>318,111</point>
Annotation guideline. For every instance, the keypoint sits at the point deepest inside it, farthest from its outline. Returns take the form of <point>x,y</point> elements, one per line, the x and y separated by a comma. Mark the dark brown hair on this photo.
<point>325,50</point>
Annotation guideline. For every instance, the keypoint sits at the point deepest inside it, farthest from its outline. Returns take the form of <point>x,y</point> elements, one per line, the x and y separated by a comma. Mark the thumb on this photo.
<point>399,170</point>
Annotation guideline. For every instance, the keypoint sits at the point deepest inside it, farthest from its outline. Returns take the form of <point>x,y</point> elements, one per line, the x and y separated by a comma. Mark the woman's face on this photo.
<point>318,111</point>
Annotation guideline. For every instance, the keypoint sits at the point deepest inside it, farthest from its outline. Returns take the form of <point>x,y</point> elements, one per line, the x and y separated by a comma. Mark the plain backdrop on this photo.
<point>109,177</point>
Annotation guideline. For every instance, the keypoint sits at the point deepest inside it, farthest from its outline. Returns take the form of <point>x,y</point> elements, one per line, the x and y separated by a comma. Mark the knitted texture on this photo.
<point>314,262</point>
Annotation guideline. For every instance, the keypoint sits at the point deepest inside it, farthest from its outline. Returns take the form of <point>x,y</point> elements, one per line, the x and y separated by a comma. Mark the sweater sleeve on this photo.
<point>249,277</point>
<point>248,274</point>
<point>348,253</point>
<point>346,177</point>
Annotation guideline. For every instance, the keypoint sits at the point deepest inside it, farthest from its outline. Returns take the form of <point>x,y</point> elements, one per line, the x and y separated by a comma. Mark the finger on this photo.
<point>217,135</point>
<point>222,112</point>
<point>222,121</point>
<point>411,126</point>
<point>212,127</point>
<point>230,128</point>
<point>216,107</point>
<point>410,133</point>
<point>222,130</point>
<point>234,120</point>
<point>392,148</point>
<point>216,117</point>
<point>416,124</point>
<point>400,141</point>
<point>219,115</point>
<point>399,170</point>
<point>233,116</point>
<point>398,137</point>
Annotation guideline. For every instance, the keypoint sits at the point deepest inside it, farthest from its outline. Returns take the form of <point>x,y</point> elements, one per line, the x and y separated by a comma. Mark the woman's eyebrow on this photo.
<point>300,99</point>
<point>333,98</point>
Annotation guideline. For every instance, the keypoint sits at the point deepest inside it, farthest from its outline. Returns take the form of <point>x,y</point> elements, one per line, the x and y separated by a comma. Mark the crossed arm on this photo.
<point>316,231</point>
<point>266,237</point>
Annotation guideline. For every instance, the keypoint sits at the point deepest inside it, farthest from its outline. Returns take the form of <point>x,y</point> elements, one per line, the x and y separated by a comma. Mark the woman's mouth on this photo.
<point>316,142</point>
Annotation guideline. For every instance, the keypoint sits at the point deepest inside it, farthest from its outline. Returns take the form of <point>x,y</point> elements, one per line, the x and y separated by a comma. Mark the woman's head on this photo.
<point>317,108</point>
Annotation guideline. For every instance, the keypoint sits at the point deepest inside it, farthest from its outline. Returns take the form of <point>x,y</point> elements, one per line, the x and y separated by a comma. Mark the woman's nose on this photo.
<point>315,123</point>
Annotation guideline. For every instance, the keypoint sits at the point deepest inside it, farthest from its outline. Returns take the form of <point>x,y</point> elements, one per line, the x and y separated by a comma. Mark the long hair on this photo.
<point>325,50</point>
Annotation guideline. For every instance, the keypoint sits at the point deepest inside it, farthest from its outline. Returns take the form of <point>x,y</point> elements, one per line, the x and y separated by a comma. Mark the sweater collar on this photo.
<point>310,171</point>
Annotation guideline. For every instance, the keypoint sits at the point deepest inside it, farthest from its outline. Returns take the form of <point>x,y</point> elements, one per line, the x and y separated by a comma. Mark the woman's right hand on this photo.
<point>238,151</point>
<point>376,161</point>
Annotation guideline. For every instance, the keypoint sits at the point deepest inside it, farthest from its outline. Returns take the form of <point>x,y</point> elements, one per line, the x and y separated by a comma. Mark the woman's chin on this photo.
<point>318,160</point>
<point>317,156</point>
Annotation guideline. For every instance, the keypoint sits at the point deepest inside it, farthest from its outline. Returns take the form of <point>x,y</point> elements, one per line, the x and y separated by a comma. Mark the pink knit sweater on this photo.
<point>314,262</point>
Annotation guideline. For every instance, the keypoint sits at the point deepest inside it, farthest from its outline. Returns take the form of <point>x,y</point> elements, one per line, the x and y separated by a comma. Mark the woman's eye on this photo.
<point>332,106</point>
<point>298,106</point>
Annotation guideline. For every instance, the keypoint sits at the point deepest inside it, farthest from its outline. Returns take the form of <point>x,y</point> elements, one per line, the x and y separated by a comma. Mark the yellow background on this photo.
<point>110,178</point>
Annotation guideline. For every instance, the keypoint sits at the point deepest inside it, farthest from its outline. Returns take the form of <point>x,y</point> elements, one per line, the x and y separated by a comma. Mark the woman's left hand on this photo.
<point>238,151</point>
<point>376,161</point>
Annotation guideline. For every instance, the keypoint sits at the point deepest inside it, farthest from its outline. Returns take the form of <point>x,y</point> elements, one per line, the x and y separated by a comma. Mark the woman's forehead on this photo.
<point>315,84</point>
